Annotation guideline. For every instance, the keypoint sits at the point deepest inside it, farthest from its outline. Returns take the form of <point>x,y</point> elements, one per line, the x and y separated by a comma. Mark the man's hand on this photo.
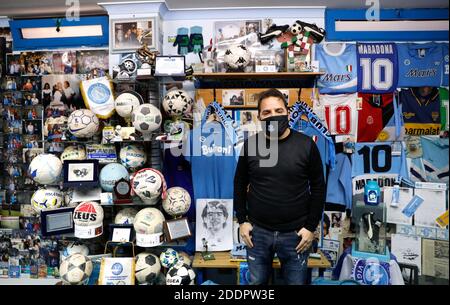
<point>307,237</point>
<point>245,228</point>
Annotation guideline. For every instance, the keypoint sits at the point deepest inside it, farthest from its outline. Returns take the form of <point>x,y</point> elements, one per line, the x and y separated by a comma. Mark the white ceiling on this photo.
<point>47,8</point>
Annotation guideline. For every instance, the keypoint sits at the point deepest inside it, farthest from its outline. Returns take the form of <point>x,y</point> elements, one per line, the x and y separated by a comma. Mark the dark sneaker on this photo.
<point>272,32</point>
<point>315,32</point>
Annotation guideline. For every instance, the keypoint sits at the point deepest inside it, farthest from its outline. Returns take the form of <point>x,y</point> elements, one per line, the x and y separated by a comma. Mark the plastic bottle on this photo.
<point>371,193</point>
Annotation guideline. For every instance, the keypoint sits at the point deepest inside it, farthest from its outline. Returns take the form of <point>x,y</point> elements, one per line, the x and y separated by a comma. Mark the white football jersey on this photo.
<point>340,111</point>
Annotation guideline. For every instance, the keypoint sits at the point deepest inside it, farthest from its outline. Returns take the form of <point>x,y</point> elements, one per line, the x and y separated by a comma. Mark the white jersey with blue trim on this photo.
<point>338,61</point>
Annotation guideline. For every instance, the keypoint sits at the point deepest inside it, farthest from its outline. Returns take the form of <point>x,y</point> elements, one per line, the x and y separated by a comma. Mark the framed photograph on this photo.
<point>233,98</point>
<point>177,229</point>
<point>92,59</point>
<point>56,222</point>
<point>64,62</point>
<point>130,34</point>
<point>80,173</point>
<point>121,233</point>
<point>61,94</point>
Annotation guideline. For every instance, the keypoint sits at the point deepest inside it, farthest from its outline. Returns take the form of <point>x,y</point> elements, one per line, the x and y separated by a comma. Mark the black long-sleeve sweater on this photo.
<point>287,196</point>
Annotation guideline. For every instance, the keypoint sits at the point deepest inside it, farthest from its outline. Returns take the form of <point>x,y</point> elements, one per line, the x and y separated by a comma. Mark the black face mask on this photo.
<point>270,125</point>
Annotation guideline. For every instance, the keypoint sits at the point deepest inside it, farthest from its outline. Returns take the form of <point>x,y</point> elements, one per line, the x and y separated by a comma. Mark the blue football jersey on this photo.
<point>378,161</point>
<point>377,67</point>
<point>339,183</point>
<point>420,64</point>
<point>445,68</point>
<point>339,67</point>
<point>213,158</point>
<point>421,114</point>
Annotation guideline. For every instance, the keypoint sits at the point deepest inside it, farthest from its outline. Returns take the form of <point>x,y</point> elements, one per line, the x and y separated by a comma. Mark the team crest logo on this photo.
<point>408,115</point>
<point>371,272</point>
<point>435,116</point>
<point>369,120</point>
<point>99,93</point>
<point>407,62</point>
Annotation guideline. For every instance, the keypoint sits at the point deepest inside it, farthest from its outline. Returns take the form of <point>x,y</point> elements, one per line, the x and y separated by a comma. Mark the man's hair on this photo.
<point>271,93</point>
<point>217,205</point>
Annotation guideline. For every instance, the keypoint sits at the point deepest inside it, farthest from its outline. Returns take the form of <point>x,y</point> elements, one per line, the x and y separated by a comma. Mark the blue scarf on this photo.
<point>300,108</point>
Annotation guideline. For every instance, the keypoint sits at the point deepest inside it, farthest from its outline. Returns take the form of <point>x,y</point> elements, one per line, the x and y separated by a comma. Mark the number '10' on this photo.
<point>372,157</point>
<point>374,69</point>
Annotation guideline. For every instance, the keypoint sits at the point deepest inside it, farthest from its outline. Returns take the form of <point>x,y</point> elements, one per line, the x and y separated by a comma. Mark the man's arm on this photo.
<point>317,189</point>
<point>240,187</point>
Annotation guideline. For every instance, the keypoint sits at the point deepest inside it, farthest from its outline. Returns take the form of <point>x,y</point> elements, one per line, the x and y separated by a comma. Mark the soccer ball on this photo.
<point>147,268</point>
<point>112,173</point>
<point>74,247</point>
<point>180,274</point>
<point>46,199</point>
<point>184,257</point>
<point>125,216</point>
<point>149,221</point>
<point>132,156</point>
<point>296,29</point>
<point>83,123</point>
<point>76,269</point>
<point>177,201</point>
<point>45,169</point>
<point>74,152</point>
<point>148,184</point>
<point>88,219</point>
<point>126,102</point>
<point>146,118</point>
<point>237,57</point>
<point>177,103</point>
<point>169,258</point>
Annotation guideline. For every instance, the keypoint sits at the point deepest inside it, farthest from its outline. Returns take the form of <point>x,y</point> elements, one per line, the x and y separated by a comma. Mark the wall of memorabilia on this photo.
<point>104,160</point>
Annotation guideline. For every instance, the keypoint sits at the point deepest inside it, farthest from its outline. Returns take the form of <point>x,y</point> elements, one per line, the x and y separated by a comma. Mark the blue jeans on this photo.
<point>294,266</point>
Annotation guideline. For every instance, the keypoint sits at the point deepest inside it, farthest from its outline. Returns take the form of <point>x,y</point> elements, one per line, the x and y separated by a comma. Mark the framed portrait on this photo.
<point>130,34</point>
<point>233,97</point>
<point>80,173</point>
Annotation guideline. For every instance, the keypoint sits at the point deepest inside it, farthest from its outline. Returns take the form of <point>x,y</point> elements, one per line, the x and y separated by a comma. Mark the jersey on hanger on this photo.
<point>377,67</point>
<point>445,68</point>
<point>339,67</point>
<point>213,159</point>
<point>380,161</point>
<point>339,183</point>
<point>421,114</point>
<point>420,64</point>
<point>443,96</point>
<point>340,112</point>
<point>374,115</point>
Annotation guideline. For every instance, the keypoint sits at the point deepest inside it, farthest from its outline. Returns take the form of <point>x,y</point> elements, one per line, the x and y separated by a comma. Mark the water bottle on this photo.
<point>372,193</point>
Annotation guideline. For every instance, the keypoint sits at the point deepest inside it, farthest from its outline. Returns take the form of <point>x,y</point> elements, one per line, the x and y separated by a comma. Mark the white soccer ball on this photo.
<point>149,221</point>
<point>47,199</point>
<point>237,57</point>
<point>168,258</point>
<point>148,184</point>
<point>177,103</point>
<point>146,118</point>
<point>73,152</point>
<point>83,123</point>
<point>180,274</point>
<point>88,219</point>
<point>147,268</point>
<point>133,156</point>
<point>74,247</point>
<point>76,269</point>
<point>45,169</point>
<point>125,216</point>
<point>296,29</point>
<point>110,174</point>
<point>126,102</point>
<point>177,201</point>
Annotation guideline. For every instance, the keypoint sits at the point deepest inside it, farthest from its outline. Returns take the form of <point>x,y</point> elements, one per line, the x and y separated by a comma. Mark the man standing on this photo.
<point>278,207</point>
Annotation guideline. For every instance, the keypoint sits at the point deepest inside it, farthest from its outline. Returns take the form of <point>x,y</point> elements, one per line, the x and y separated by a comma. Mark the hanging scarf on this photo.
<point>300,108</point>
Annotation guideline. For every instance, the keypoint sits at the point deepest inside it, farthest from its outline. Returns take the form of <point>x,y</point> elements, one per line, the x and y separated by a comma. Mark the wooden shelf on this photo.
<point>241,75</point>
